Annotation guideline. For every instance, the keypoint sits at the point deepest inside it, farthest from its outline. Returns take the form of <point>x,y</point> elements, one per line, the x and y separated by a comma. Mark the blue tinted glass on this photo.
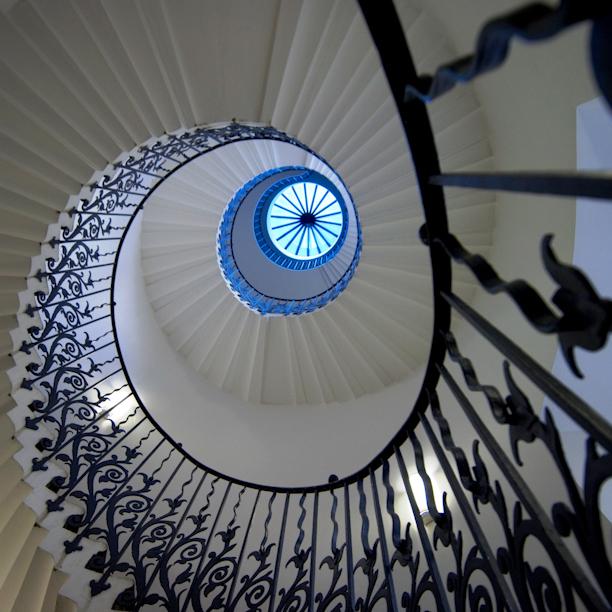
<point>304,220</point>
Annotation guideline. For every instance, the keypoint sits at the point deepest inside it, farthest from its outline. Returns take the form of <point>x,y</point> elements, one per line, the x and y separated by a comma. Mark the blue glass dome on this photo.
<point>301,221</point>
<point>289,241</point>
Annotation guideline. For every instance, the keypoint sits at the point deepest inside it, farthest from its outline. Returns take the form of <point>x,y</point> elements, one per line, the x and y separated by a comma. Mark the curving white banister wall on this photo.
<point>281,445</point>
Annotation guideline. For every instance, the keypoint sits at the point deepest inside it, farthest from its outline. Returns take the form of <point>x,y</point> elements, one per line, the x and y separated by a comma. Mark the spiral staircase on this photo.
<point>269,412</point>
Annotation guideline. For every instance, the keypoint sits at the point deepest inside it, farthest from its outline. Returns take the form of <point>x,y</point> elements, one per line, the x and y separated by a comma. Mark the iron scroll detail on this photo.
<point>188,536</point>
<point>532,22</point>
<point>586,318</point>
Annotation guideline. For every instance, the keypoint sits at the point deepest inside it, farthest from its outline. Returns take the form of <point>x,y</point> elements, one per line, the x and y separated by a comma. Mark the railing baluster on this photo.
<point>83,296</point>
<point>479,536</point>
<point>349,548</point>
<point>40,274</point>
<point>139,170</point>
<point>61,368</point>
<point>241,555</point>
<point>432,564</point>
<point>195,585</point>
<point>333,560</point>
<point>164,555</point>
<point>99,584</point>
<point>383,543</point>
<point>279,554</point>
<point>47,413</point>
<point>313,553</point>
<point>25,347</point>
<point>386,29</point>
<point>119,488</point>
<point>523,492</point>
<point>299,588</point>
<point>367,563</point>
<point>570,185</point>
<point>38,464</point>
<point>591,421</point>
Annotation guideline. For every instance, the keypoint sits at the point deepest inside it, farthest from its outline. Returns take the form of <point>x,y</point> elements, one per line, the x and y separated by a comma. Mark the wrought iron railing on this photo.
<point>192,538</point>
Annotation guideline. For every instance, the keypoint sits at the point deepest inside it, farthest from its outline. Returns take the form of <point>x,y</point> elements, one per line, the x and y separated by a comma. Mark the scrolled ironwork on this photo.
<point>586,321</point>
<point>296,596</point>
<point>181,531</point>
<point>532,22</point>
<point>256,586</point>
<point>337,593</point>
<point>421,582</point>
<point>584,518</point>
<point>469,568</point>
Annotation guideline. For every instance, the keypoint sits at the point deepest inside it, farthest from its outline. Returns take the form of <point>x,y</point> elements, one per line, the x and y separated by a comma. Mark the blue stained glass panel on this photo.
<point>305,220</point>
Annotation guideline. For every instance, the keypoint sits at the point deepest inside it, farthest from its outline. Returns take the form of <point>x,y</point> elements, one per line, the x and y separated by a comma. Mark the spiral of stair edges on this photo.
<point>58,129</point>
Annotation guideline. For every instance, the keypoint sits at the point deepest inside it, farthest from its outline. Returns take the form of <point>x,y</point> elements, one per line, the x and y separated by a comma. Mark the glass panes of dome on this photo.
<point>305,221</point>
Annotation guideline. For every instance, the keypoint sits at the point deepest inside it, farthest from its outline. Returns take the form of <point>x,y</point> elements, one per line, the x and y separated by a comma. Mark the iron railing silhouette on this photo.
<point>191,537</point>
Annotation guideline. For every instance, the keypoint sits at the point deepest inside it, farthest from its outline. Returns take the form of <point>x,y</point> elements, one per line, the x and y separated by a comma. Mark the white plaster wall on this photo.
<point>279,445</point>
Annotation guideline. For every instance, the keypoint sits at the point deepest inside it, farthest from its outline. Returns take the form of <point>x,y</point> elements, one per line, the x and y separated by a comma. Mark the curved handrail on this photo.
<point>532,22</point>
<point>155,163</point>
<point>498,569</point>
<point>399,67</point>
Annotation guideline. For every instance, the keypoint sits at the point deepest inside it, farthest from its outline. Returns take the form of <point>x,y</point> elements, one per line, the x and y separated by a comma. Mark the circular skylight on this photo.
<point>289,241</point>
<point>301,221</point>
<point>305,220</point>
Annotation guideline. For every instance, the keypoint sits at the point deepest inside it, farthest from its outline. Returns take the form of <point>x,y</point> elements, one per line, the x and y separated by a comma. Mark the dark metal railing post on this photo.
<point>279,554</point>
<point>241,555</point>
<point>432,564</point>
<point>474,525</point>
<point>109,569</point>
<point>349,548</point>
<point>195,585</point>
<point>398,65</point>
<point>383,543</point>
<point>526,495</point>
<point>313,553</point>
<point>168,547</point>
<point>591,421</point>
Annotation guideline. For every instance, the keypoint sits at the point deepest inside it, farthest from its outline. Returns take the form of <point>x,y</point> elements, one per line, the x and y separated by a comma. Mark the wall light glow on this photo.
<point>418,490</point>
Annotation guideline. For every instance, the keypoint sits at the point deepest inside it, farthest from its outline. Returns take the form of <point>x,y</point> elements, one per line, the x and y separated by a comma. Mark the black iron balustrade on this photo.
<point>193,538</point>
<point>534,21</point>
